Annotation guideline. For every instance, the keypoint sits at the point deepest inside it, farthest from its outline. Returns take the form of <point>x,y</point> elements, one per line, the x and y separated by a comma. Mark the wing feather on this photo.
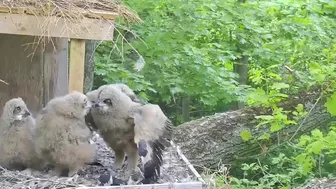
<point>153,133</point>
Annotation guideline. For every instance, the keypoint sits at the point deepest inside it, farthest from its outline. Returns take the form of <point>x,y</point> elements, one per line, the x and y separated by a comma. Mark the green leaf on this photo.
<point>290,122</point>
<point>279,86</point>
<point>317,133</point>
<point>304,140</point>
<point>276,127</point>
<point>333,162</point>
<point>317,147</point>
<point>299,108</point>
<point>331,104</point>
<point>245,135</point>
<point>258,96</point>
<point>265,117</point>
<point>265,136</point>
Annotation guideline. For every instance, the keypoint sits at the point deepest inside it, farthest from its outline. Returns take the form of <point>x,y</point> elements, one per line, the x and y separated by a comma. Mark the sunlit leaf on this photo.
<point>245,135</point>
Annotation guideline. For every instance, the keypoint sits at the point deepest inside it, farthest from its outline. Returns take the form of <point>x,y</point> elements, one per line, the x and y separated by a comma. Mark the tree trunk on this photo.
<point>89,65</point>
<point>216,139</point>
<point>241,68</point>
<point>186,109</point>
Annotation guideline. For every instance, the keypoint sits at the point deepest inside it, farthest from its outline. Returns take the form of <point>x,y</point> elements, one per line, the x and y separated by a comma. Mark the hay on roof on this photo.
<point>69,8</point>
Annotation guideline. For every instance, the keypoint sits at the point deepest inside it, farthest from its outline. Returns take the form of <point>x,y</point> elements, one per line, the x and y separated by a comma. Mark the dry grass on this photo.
<point>71,8</point>
<point>218,178</point>
<point>17,179</point>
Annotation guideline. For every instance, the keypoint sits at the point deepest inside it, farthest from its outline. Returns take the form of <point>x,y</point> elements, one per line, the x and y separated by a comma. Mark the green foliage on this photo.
<point>331,105</point>
<point>190,49</point>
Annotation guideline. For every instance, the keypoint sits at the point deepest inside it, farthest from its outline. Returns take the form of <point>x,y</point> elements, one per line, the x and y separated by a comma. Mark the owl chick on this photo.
<point>133,128</point>
<point>128,91</point>
<point>16,136</point>
<point>62,137</point>
<point>93,98</point>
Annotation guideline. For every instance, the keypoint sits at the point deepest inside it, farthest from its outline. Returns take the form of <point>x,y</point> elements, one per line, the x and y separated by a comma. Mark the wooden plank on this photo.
<point>90,13</point>
<point>85,28</point>
<point>187,185</point>
<point>62,59</point>
<point>49,71</point>
<point>76,67</point>
<point>22,68</point>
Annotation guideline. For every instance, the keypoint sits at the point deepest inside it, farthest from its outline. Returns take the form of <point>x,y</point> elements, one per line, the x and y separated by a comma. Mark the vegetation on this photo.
<point>184,57</point>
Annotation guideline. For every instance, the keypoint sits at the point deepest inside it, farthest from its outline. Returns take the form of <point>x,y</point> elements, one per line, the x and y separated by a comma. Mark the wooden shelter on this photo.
<point>34,37</point>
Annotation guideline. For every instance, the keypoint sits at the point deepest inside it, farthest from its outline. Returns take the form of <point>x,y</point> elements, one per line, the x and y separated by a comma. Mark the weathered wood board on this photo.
<point>76,65</point>
<point>86,28</point>
<point>23,73</point>
<point>31,71</point>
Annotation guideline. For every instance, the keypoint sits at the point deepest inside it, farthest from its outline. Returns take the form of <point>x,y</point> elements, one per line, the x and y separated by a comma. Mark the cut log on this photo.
<point>215,139</point>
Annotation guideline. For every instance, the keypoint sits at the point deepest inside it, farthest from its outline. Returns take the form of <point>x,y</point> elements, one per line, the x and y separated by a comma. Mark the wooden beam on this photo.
<point>62,57</point>
<point>187,185</point>
<point>90,13</point>
<point>76,67</point>
<point>52,26</point>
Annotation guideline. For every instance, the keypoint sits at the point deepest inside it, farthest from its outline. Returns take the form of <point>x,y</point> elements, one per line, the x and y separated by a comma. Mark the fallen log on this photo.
<point>320,183</point>
<point>215,139</point>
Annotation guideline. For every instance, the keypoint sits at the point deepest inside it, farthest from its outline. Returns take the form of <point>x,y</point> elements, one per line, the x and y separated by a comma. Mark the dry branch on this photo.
<point>214,140</point>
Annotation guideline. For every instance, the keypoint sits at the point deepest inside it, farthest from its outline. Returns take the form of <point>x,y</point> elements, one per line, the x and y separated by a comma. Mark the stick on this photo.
<point>2,81</point>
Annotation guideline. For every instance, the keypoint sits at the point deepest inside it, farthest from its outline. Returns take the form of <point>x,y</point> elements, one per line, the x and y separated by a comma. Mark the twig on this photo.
<point>303,121</point>
<point>2,81</point>
<point>294,72</point>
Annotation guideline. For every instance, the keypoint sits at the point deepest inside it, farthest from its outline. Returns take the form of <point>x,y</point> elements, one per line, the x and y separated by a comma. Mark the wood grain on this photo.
<point>76,67</point>
<point>85,28</point>
<point>22,71</point>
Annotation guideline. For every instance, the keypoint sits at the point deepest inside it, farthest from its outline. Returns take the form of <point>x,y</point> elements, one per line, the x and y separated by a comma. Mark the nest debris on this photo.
<point>173,170</point>
<point>70,8</point>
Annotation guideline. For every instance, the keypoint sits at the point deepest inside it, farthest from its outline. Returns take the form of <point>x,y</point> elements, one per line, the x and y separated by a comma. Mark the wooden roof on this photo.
<point>81,19</point>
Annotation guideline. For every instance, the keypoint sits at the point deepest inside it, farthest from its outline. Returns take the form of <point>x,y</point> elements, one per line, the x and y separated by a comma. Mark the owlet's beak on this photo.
<point>26,113</point>
<point>100,104</point>
<point>88,105</point>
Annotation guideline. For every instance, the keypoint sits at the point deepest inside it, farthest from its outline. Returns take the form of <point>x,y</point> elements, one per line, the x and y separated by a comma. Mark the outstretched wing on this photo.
<point>153,133</point>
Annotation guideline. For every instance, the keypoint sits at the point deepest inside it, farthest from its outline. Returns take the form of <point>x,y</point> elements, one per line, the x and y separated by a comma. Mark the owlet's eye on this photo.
<point>85,103</point>
<point>17,109</point>
<point>108,101</point>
